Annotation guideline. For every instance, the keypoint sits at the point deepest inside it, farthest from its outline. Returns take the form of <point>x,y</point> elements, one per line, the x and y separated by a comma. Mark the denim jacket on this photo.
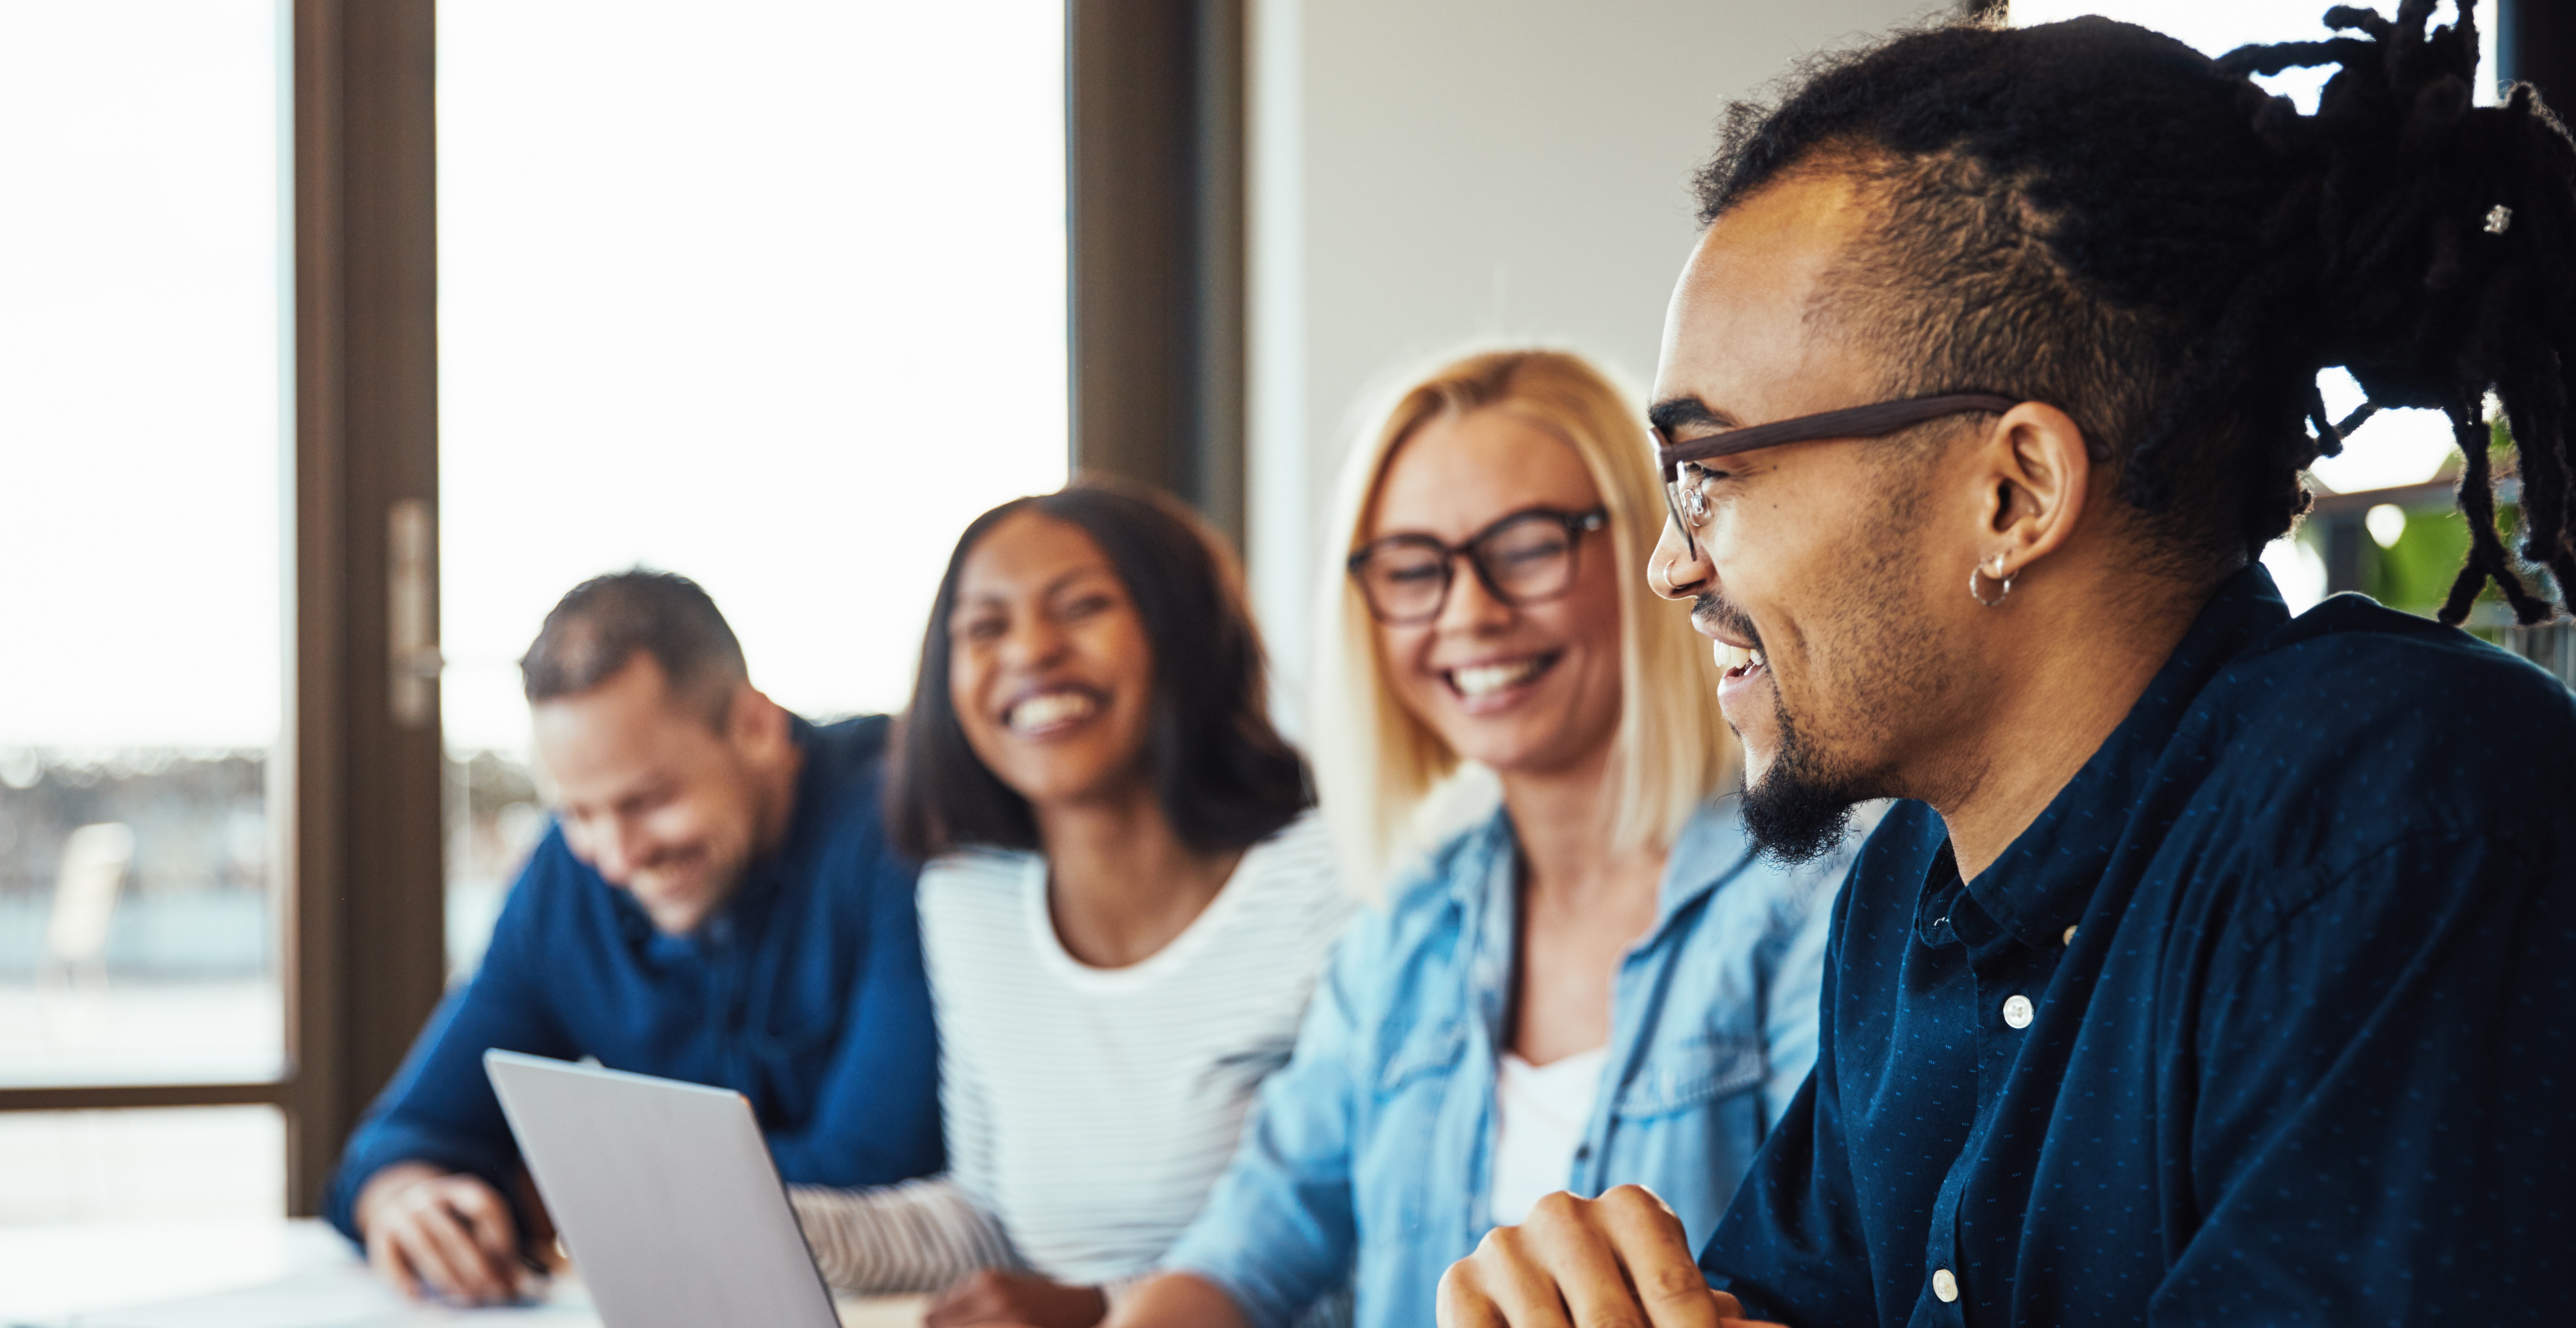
<point>1369,1156</point>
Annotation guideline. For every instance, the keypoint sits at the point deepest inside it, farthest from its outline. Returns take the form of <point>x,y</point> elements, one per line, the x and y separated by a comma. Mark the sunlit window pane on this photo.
<point>770,294</point>
<point>141,306</point>
<point>2216,27</point>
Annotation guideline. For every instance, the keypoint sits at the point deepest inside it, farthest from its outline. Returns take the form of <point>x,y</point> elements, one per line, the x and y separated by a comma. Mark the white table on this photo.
<point>280,1274</point>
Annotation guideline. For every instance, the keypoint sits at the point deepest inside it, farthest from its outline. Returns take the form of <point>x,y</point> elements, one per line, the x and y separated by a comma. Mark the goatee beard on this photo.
<point>1800,811</point>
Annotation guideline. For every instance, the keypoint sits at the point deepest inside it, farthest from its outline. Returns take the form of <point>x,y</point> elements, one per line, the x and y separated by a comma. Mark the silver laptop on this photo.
<point>666,1195</point>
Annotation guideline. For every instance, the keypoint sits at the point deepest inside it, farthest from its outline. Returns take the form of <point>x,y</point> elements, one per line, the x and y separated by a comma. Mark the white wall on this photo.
<point>1427,172</point>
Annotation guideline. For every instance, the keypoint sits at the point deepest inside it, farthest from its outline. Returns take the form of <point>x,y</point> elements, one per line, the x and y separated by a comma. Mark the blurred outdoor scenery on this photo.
<point>697,310</point>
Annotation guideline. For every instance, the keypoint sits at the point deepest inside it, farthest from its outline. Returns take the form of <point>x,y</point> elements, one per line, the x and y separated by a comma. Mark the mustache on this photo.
<point>1712,608</point>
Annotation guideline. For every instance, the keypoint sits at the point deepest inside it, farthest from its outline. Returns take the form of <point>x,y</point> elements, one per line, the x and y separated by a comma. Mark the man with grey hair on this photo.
<point>716,901</point>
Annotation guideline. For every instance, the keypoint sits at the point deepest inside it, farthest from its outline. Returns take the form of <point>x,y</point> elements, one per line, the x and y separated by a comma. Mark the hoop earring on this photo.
<point>1978,593</point>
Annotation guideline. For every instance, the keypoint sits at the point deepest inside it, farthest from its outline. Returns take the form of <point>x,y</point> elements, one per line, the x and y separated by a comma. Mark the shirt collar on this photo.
<point>2044,879</point>
<point>767,874</point>
<point>1483,888</point>
<point>1711,848</point>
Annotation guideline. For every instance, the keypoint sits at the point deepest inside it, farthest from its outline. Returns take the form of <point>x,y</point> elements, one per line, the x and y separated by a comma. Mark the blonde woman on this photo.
<point>1599,984</point>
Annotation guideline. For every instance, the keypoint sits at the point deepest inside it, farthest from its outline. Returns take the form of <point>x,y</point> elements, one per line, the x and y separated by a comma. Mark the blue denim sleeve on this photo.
<point>876,1120</point>
<point>1278,1231</point>
<point>439,1108</point>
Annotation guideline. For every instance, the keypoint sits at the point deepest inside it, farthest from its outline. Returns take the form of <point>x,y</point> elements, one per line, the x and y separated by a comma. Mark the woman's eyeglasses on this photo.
<point>1686,494</point>
<point>1526,558</point>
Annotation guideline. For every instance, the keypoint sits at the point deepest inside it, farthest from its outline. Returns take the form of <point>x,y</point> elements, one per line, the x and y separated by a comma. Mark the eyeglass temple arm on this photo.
<point>1870,421</point>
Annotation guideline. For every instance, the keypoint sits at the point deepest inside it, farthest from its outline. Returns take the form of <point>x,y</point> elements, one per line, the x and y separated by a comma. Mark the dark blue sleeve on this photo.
<point>1792,1246</point>
<point>440,1108</point>
<point>876,1119</point>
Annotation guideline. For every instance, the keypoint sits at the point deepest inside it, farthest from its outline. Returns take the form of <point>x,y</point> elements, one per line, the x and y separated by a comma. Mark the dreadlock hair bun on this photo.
<point>2094,215</point>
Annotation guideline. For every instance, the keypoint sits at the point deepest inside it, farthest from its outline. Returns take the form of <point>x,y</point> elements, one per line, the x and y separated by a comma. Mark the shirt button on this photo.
<point>1945,1288</point>
<point>2070,936</point>
<point>2017,1011</point>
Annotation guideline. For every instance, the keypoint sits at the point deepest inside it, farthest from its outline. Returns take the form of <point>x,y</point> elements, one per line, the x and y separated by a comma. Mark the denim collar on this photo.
<point>1711,849</point>
<point>2041,884</point>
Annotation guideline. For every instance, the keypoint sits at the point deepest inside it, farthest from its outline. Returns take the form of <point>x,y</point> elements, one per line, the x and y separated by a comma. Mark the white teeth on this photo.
<point>1052,708</point>
<point>1732,658</point>
<point>1485,679</point>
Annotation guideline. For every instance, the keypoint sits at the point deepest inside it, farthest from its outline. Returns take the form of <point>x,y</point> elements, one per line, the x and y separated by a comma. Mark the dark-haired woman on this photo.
<point>1123,912</point>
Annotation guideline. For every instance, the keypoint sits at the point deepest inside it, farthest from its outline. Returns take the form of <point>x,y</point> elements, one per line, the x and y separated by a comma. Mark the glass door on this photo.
<point>770,295</point>
<point>143,308</point>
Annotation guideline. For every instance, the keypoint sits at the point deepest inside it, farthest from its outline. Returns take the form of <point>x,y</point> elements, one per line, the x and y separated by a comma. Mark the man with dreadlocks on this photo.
<point>2223,967</point>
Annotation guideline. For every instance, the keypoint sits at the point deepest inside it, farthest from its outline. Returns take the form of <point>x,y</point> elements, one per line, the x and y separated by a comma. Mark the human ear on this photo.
<point>2035,474</point>
<point>755,724</point>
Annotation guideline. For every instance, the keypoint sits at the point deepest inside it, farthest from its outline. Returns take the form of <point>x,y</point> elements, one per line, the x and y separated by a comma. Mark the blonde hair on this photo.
<point>1377,764</point>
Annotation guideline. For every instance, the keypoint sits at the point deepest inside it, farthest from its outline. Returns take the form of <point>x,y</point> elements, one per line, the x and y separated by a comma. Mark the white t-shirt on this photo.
<point>1540,1112</point>
<point>1087,1110</point>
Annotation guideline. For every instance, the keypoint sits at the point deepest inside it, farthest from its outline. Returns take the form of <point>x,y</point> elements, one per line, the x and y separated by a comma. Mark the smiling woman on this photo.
<point>1462,1066</point>
<point>1381,755</point>
<point>1137,582</point>
<point>1123,913</point>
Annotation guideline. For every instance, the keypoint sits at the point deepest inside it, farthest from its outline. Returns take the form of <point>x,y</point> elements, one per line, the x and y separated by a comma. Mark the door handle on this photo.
<point>412,661</point>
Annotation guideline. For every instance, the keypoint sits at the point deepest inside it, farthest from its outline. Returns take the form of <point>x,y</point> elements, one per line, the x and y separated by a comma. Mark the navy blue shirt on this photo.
<point>2269,1018</point>
<point>804,993</point>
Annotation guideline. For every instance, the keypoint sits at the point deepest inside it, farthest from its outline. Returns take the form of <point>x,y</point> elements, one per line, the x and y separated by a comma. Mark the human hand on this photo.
<point>1619,1259</point>
<point>993,1296</point>
<point>441,1234</point>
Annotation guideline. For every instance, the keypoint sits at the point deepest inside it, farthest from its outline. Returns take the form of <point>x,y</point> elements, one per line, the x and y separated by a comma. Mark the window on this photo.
<point>773,297</point>
<point>142,324</point>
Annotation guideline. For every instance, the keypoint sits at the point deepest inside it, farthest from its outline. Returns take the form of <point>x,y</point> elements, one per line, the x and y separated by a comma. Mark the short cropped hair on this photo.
<point>1224,776</point>
<point>597,628</point>
<point>1380,764</point>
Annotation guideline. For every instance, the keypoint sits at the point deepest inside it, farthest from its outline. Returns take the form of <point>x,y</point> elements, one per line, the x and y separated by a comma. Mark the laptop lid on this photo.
<point>666,1195</point>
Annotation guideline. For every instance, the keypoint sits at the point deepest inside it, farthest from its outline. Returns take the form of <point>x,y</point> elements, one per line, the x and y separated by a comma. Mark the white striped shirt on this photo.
<point>1087,1110</point>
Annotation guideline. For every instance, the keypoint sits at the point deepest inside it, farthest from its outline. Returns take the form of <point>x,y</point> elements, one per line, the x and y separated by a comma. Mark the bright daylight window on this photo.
<point>2397,447</point>
<point>771,295</point>
<point>142,325</point>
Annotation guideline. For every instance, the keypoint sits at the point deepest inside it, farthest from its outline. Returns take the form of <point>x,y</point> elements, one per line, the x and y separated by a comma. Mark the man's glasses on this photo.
<point>1525,558</point>
<point>1686,493</point>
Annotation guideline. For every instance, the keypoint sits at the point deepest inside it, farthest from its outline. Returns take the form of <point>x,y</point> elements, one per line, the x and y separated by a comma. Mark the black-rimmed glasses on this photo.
<point>1523,559</point>
<point>1687,500</point>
